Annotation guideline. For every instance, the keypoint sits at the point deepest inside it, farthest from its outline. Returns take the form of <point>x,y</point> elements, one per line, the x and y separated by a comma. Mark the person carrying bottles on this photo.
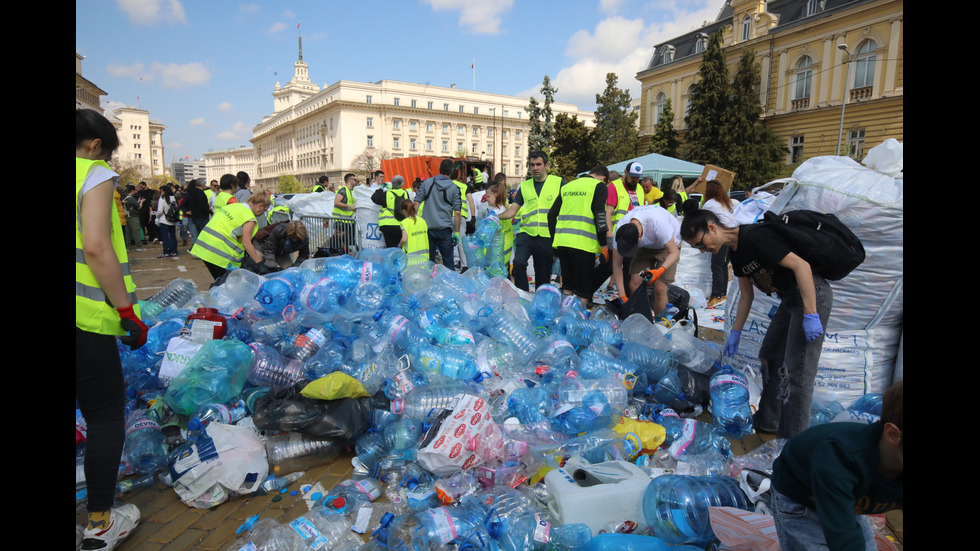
<point>226,239</point>
<point>581,220</point>
<point>105,307</point>
<point>535,199</point>
<point>390,228</point>
<point>762,257</point>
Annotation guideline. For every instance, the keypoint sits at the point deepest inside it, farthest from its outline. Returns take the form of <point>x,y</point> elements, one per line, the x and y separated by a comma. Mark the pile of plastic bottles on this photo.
<point>370,356</point>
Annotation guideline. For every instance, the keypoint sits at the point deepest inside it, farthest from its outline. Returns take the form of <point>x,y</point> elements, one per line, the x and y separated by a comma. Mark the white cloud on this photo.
<point>238,131</point>
<point>170,75</point>
<point>277,27</point>
<point>610,7</point>
<point>224,106</point>
<point>249,8</point>
<point>482,16</point>
<point>199,121</point>
<point>151,12</point>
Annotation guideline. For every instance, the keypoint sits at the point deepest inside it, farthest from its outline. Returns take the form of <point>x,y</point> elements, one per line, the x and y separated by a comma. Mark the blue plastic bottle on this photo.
<point>730,408</point>
<point>676,507</point>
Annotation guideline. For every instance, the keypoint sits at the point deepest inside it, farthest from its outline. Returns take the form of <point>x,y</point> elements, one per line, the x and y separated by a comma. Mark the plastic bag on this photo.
<point>287,410</point>
<point>449,452</point>
<point>225,461</point>
<point>334,386</point>
<point>215,375</point>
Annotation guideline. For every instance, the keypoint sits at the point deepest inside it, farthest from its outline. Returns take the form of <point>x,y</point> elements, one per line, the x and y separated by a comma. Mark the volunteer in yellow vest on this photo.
<point>390,227</point>
<point>496,198</point>
<point>581,222</point>
<point>468,224</point>
<point>677,184</point>
<point>321,185</point>
<point>210,193</point>
<point>105,307</point>
<point>228,185</point>
<point>343,206</point>
<point>228,236</point>
<point>624,194</point>
<point>535,199</point>
<point>415,235</point>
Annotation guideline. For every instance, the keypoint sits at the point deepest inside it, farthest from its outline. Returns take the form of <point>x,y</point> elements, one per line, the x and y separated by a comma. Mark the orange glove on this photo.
<point>649,276</point>
<point>605,253</point>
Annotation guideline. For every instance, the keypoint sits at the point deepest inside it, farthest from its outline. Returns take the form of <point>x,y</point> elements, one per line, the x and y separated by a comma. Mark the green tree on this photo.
<point>547,115</point>
<point>289,184</point>
<point>615,137</point>
<point>664,140</point>
<point>130,171</point>
<point>572,151</point>
<point>535,138</point>
<point>755,151</point>
<point>707,141</point>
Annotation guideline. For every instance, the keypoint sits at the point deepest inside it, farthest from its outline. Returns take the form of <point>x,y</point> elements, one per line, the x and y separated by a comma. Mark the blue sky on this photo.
<point>206,69</point>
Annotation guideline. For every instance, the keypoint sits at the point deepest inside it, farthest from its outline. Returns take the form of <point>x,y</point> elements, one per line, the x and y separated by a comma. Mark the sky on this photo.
<point>206,70</point>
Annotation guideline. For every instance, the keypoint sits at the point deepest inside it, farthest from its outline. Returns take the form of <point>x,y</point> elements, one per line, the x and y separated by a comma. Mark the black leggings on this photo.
<point>100,393</point>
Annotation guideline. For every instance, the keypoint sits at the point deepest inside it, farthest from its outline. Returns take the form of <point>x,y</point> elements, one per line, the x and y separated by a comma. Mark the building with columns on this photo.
<point>140,139</point>
<point>314,131</point>
<point>813,55</point>
<point>230,161</point>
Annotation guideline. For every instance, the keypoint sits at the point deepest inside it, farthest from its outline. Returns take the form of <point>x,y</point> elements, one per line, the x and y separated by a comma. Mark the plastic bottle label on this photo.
<point>404,385</point>
<point>542,529</point>
<point>729,378</point>
<point>366,272</point>
<point>307,531</point>
<point>442,521</point>
<point>201,331</point>
<point>684,439</point>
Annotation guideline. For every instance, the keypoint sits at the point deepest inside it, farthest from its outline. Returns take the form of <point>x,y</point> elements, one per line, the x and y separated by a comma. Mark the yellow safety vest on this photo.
<point>535,208</point>
<point>386,215</point>
<point>221,199</point>
<point>464,208</point>
<point>417,245</point>
<point>93,311</point>
<point>337,211</point>
<point>220,242</point>
<point>623,201</point>
<point>576,222</point>
<point>681,197</point>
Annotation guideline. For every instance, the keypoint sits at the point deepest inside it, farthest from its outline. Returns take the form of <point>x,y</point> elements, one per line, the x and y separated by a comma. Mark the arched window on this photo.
<point>864,66</point>
<point>746,24</point>
<point>804,78</point>
<point>658,110</point>
<point>667,55</point>
<point>701,44</point>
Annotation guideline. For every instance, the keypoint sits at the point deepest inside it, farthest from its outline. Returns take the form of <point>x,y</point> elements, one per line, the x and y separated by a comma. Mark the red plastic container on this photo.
<point>205,325</point>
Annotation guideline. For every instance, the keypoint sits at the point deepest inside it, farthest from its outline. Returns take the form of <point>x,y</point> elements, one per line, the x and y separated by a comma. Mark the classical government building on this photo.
<point>315,131</point>
<point>814,55</point>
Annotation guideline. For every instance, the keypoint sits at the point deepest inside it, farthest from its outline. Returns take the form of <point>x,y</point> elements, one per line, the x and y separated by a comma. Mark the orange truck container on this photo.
<point>427,166</point>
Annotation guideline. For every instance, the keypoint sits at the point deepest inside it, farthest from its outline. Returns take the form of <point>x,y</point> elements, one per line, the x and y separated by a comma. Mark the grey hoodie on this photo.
<point>439,197</point>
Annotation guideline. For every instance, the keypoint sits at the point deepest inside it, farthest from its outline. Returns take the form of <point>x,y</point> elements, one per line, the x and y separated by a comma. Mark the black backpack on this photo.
<point>173,211</point>
<point>830,247</point>
<point>380,197</point>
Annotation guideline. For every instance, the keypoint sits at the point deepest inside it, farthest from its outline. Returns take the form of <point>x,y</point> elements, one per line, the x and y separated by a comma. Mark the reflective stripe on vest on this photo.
<point>576,224</point>
<point>337,211</point>
<point>464,203</point>
<point>623,201</point>
<point>386,215</point>
<point>216,243</point>
<point>535,209</point>
<point>93,310</point>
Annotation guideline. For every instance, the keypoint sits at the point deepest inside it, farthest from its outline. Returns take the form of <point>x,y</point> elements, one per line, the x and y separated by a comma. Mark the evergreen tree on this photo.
<point>664,140</point>
<point>547,115</point>
<point>755,150</point>
<point>615,137</point>
<point>707,141</point>
<point>572,152</point>
<point>535,139</point>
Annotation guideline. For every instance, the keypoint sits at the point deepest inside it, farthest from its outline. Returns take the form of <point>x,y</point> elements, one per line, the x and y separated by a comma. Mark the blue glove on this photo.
<point>812,327</point>
<point>731,345</point>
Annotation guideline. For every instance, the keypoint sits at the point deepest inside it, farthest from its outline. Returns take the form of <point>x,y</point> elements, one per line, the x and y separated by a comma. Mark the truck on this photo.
<point>427,166</point>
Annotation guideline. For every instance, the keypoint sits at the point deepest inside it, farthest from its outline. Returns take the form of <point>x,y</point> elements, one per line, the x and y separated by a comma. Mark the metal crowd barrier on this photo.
<point>338,234</point>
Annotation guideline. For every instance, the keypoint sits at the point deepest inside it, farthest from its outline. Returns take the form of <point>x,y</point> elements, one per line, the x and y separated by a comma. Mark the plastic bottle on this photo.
<point>450,363</point>
<point>369,449</point>
<point>545,305</point>
<point>177,293</point>
<point>271,369</point>
<point>652,364</point>
<point>272,483</point>
<point>695,354</point>
<point>308,343</point>
<point>217,373</point>
<point>401,438</point>
<point>275,294</point>
<point>442,525</point>
<point>688,438</point>
<point>631,542</point>
<point>221,413</point>
<point>597,366</point>
<point>131,484</point>
<point>144,444</point>
<point>530,405</point>
<point>824,412</point>
<point>638,329</point>
<point>322,297</point>
<point>322,527</point>
<point>432,398</point>
<point>204,325</point>
<point>533,531</point>
<point>293,452</point>
<point>869,403</point>
<point>676,507</point>
<point>730,408</point>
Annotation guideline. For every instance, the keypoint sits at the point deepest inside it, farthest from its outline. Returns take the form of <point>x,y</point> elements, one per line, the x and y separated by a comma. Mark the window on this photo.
<point>370,141</point>
<point>667,55</point>
<point>428,145</point>
<point>503,152</point>
<point>460,108</point>
<point>411,144</point>
<point>368,99</point>
<point>517,151</point>
<point>445,146</point>
<point>503,134</point>
<point>476,110</point>
<point>398,102</point>
<point>658,109</point>
<point>476,131</point>
<point>445,107</point>
<point>804,78</point>
<point>370,122</point>
<point>519,114</point>
<point>746,25</point>
<point>430,105</point>
<point>413,126</point>
<point>855,144</point>
<point>518,134</point>
<point>796,150</point>
<point>396,143</point>
<point>505,112</point>
<point>811,7</point>
<point>489,132</point>
<point>503,168</point>
<point>701,44</point>
<point>397,124</point>
<point>445,128</point>
<point>415,103</point>
<point>474,148</point>
<point>460,130</point>
<point>459,146</point>
<point>864,67</point>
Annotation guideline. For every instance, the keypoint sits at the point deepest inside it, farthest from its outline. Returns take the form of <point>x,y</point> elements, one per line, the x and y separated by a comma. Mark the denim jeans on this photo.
<point>789,364</point>
<point>799,528</point>
<point>168,235</point>
<point>719,272</point>
<point>442,240</point>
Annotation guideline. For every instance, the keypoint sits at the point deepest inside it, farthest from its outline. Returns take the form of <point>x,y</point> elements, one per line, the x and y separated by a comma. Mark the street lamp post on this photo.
<point>843,103</point>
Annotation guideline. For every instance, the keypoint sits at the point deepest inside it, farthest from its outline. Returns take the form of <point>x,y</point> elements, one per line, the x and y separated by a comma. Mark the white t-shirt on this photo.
<point>725,216</point>
<point>659,226</point>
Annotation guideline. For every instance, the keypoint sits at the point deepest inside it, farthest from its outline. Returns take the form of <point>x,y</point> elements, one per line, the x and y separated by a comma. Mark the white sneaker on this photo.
<point>123,520</point>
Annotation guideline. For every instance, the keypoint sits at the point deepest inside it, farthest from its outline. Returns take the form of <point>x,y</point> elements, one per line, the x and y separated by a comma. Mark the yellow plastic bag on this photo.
<point>335,386</point>
<point>647,434</point>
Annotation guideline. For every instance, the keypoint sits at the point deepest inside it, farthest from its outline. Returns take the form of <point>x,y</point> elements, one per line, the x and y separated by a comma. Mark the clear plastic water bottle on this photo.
<point>144,444</point>
<point>824,412</point>
<point>530,405</point>
<point>545,305</point>
<point>638,329</point>
<point>423,400</point>
<point>450,363</point>
<point>222,413</point>
<point>275,294</point>
<point>177,293</point>
<point>676,507</point>
<point>293,452</point>
<point>689,438</point>
<point>651,363</point>
<point>533,531</point>
<point>271,369</point>
<point>322,297</point>
<point>730,408</point>
<point>598,366</point>
<point>308,343</point>
<point>869,403</point>
<point>695,354</point>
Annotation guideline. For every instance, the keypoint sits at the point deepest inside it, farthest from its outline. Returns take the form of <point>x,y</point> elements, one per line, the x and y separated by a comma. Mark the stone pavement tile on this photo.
<point>185,540</point>
<point>218,515</point>
<point>177,525</point>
